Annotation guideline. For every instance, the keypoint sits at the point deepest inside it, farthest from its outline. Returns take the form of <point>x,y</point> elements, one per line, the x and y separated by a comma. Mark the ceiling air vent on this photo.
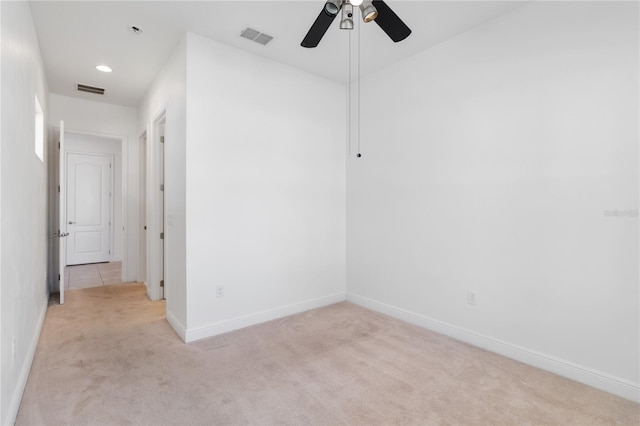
<point>256,36</point>
<point>90,89</point>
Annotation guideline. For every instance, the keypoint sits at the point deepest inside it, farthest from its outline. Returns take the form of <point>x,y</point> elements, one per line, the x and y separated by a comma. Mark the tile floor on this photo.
<point>93,275</point>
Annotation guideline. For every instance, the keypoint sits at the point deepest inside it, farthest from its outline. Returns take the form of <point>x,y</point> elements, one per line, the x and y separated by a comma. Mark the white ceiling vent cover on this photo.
<point>90,89</point>
<point>256,36</point>
<point>263,39</point>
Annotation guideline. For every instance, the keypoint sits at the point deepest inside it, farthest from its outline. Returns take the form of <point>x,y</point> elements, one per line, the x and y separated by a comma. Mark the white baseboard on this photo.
<point>148,290</point>
<point>179,328</point>
<point>252,319</point>
<point>16,398</point>
<point>557,366</point>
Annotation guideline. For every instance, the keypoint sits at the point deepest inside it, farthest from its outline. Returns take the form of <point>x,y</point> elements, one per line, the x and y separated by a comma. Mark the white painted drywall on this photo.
<point>265,188</point>
<point>168,93</point>
<point>99,118</point>
<point>23,200</point>
<point>92,144</point>
<point>489,164</point>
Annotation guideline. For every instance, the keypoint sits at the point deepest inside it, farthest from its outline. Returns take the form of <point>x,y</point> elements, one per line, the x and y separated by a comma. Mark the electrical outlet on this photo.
<point>220,291</point>
<point>472,298</point>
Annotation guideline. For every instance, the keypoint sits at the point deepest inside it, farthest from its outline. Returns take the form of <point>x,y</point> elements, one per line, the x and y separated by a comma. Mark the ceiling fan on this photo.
<point>372,10</point>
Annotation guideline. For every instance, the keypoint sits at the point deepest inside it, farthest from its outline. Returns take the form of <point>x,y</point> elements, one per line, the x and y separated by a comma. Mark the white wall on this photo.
<point>488,164</point>
<point>109,120</point>
<point>168,94</point>
<point>23,200</point>
<point>265,189</point>
<point>92,144</point>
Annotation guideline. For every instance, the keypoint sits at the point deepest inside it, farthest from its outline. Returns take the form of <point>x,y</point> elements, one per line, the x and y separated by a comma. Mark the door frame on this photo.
<point>111,190</point>
<point>156,216</point>
<point>143,143</point>
<point>54,208</point>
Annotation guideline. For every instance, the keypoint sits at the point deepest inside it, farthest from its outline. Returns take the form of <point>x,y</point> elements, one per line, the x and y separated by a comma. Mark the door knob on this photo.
<point>71,223</point>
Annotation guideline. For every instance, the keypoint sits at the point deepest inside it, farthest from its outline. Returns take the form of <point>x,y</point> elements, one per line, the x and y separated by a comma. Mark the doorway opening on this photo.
<point>154,152</point>
<point>88,211</point>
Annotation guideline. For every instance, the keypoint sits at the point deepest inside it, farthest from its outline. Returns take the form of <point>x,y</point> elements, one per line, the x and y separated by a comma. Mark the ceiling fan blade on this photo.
<point>317,30</point>
<point>390,22</point>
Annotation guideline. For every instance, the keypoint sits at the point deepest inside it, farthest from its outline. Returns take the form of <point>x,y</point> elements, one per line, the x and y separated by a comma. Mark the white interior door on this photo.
<point>88,208</point>
<point>62,224</point>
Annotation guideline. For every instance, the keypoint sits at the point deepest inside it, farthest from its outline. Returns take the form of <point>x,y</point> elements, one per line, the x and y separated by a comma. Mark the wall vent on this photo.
<point>90,89</point>
<point>256,36</point>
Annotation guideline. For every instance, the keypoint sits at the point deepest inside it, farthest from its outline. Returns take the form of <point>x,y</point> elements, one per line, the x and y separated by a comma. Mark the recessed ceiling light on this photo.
<point>103,68</point>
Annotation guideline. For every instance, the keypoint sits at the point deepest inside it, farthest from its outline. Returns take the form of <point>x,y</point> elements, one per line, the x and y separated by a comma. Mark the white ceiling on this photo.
<point>75,36</point>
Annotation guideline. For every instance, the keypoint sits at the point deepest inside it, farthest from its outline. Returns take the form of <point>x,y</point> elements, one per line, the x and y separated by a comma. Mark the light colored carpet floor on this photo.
<point>109,357</point>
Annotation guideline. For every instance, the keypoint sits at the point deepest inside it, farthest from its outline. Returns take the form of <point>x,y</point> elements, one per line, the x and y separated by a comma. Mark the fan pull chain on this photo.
<point>349,100</point>
<point>359,114</point>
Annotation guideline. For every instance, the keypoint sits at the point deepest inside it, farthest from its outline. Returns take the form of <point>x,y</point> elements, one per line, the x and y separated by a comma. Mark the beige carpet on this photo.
<point>108,357</point>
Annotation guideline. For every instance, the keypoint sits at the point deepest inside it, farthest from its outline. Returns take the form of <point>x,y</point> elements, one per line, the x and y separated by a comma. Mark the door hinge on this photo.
<point>161,139</point>
<point>58,145</point>
<point>162,235</point>
<point>58,277</point>
<point>109,165</point>
<point>109,251</point>
<point>162,187</point>
<point>58,188</point>
<point>161,283</point>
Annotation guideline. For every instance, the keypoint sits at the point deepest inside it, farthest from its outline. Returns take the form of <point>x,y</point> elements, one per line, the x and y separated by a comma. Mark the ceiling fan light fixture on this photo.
<point>369,11</point>
<point>385,18</point>
<point>332,7</point>
<point>346,22</point>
